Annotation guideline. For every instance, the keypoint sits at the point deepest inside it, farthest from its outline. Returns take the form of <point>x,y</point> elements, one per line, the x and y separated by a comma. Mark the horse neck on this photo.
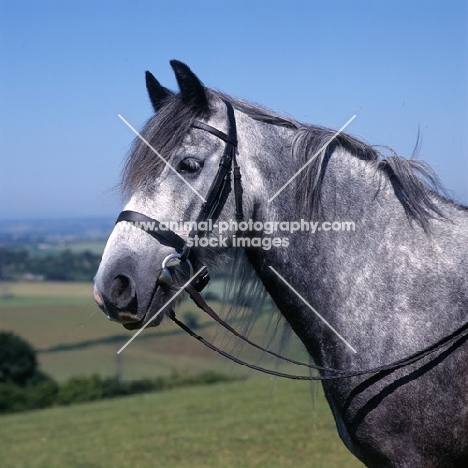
<point>344,282</point>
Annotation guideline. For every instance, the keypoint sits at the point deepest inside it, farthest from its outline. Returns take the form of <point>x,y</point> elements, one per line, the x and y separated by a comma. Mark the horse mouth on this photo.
<point>129,318</point>
<point>134,325</point>
<point>129,321</point>
<point>152,317</point>
<point>137,324</point>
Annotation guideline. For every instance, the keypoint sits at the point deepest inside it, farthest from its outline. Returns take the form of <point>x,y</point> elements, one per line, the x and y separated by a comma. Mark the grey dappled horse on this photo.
<point>394,285</point>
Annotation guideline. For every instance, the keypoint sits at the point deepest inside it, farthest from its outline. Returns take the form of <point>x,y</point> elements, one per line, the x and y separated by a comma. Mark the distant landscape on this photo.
<point>53,233</point>
<point>54,250</point>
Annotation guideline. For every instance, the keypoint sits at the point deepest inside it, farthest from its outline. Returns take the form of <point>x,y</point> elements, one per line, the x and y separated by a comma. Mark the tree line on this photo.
<point>23,386</point>
<point>64,266</point>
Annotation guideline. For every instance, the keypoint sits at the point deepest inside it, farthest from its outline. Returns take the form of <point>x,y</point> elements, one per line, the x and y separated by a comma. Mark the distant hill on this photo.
<point>57,249</point>
<point>55,231</point>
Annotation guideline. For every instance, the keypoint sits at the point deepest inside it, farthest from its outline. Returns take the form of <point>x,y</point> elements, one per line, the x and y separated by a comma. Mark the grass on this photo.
<point>85,342</point>
<point>23,294</point>
<point>255,423</point>
<point>63,317</point>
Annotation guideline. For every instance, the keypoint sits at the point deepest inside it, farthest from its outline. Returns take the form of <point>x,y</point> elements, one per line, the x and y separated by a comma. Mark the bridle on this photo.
<point>211,209</point>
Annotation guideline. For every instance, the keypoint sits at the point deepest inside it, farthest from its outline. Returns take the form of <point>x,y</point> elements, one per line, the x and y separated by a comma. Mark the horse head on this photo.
<point>174,176</point>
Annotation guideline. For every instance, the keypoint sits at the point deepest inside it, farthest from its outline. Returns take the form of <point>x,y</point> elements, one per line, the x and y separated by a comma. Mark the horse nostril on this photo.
<point>122,291</point>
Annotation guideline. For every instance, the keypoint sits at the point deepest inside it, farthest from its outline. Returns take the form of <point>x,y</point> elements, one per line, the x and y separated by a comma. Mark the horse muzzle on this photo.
<point>118,299</point>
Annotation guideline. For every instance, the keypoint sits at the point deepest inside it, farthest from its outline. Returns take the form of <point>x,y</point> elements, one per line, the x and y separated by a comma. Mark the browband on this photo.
<point>214,131</point>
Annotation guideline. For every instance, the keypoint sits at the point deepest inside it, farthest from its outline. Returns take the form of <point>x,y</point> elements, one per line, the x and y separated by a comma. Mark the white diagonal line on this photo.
<point>160,310</point>
<point>313,310</point>
<point>146,142</point>
<point>312,158</point>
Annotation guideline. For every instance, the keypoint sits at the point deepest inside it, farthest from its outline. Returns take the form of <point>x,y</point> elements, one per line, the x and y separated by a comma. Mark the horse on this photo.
<point>391,285</point>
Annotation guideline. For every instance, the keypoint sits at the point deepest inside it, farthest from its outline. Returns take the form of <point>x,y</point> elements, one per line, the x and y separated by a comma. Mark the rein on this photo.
<point>211,209</point>
<point>459,335</point>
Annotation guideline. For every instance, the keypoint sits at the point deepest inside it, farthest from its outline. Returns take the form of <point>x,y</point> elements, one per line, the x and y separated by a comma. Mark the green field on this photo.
<point>51,315</point>
<point>74,337</point>
<point>257,422</point>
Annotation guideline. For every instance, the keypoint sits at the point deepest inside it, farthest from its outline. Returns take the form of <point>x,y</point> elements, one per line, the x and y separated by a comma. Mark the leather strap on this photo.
<point>244,363</point>
<point>238,191</point>
<point>153,227</point>
<point>221,185</point>
<point>214,131</point>
<point>166,237</point>
<point>215,199</point>
<point>200,302</point>
<point>449,343</point>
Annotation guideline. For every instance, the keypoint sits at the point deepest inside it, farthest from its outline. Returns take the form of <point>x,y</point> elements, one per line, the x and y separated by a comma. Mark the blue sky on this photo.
<point>68,68</point>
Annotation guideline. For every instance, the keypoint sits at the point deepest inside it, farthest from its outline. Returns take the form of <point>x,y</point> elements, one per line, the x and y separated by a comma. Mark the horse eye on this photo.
<point>189,165</point>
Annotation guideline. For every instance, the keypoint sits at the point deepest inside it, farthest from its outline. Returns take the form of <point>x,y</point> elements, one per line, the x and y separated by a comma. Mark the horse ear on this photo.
<point>157,93</point>
<point>191,88</point>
